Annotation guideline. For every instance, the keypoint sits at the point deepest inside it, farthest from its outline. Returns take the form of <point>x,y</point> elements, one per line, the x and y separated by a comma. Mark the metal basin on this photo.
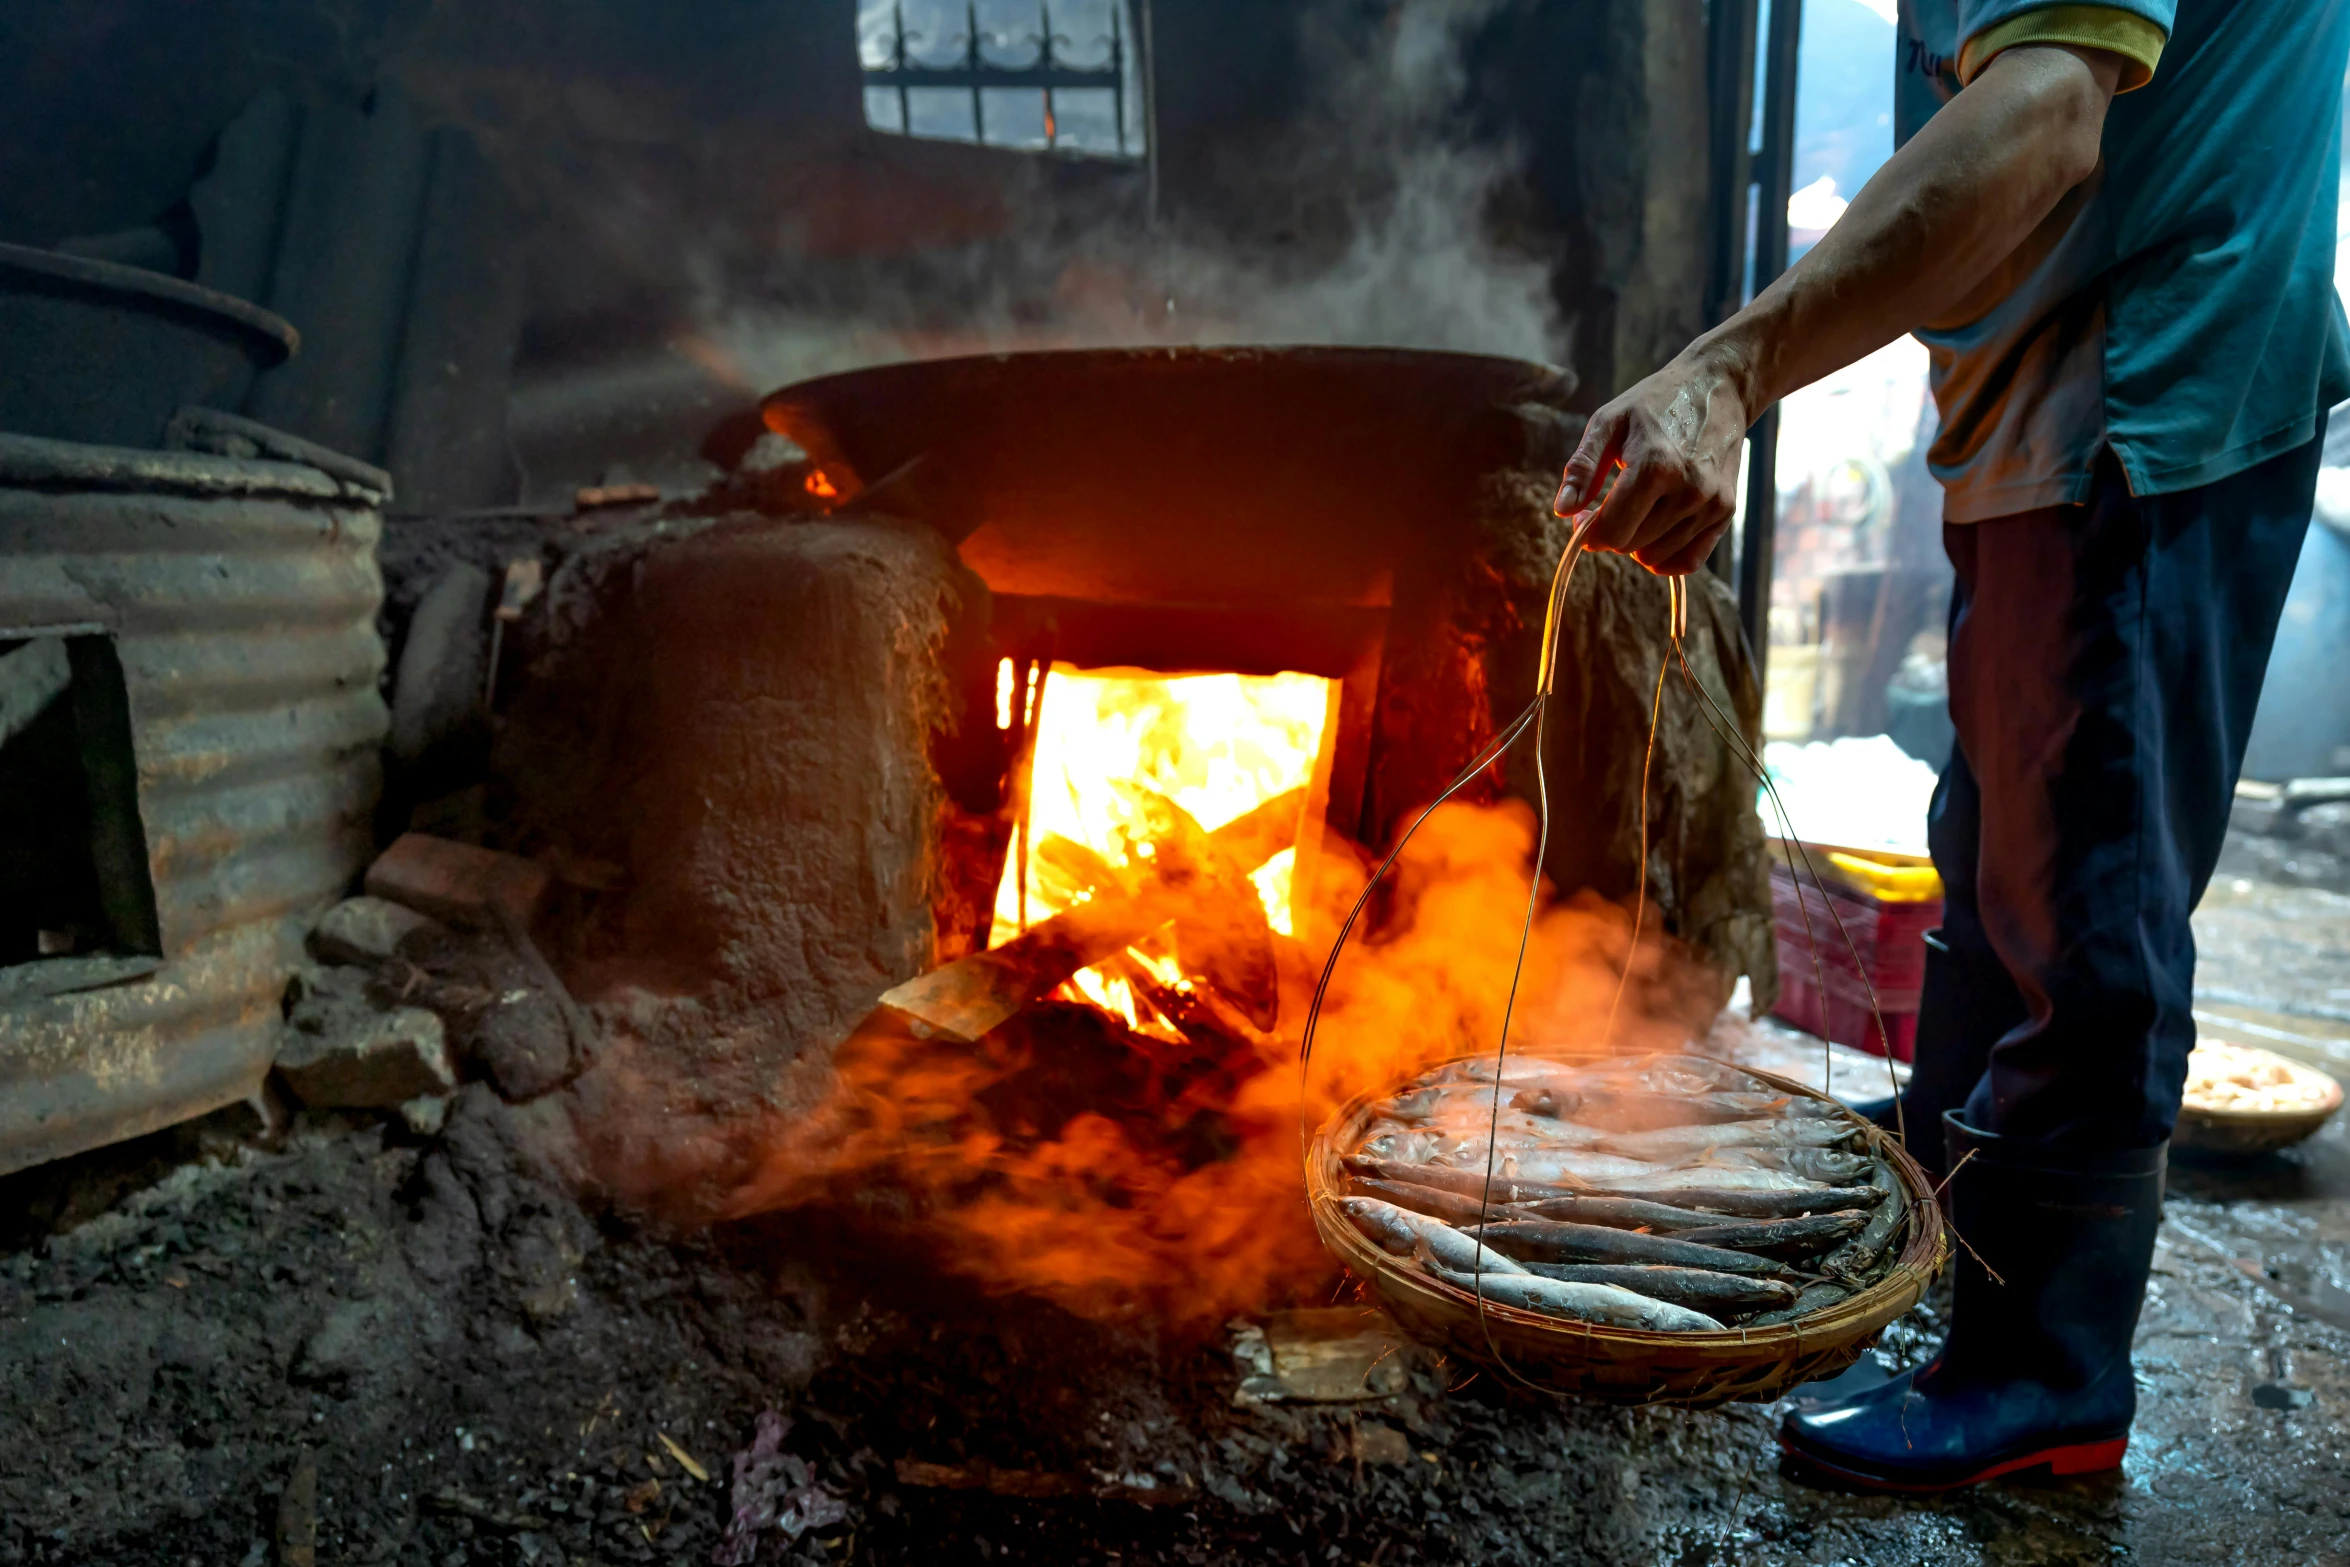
<point>1183,474</point>
<point>98,352</point>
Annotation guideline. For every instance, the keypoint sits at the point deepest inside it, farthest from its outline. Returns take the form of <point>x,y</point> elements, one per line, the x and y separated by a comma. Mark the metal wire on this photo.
<point>1536,716</point>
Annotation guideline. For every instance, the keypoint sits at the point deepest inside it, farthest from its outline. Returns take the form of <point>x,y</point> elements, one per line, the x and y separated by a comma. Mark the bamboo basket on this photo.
<point>1631,1365</point>
<point>2203,1129</point>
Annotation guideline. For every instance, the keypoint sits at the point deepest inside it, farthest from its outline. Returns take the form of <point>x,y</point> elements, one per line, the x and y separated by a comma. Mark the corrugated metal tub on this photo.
<point>229,607</point>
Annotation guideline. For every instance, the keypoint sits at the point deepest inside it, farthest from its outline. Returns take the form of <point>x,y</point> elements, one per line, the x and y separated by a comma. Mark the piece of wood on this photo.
<point>297,1514</point>
<point>965,998</point>
<point>458,1504</point>
<point>1034,1484</point>
<point>1227,941</point>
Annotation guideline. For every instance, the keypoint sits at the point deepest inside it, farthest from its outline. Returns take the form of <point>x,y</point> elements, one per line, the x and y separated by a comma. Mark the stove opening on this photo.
<point>1131,776</point>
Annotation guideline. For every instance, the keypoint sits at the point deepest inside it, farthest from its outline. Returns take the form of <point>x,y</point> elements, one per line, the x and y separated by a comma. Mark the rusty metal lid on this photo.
<point>91,274</point>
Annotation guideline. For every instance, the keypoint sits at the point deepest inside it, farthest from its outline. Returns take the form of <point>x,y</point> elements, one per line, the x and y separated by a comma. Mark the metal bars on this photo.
<point>974,72</point>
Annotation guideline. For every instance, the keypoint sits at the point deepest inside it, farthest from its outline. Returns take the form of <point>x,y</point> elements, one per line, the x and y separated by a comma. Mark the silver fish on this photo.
<point>1674,1142</point>
<point>1437,1101</point>
<point>1819,1166</point>
<point>1514,1068</point>
<point>1853,1260</point>
<point>1814,1298</point>
<point>1454,1146</point>
<point>1672,1074</point>
<point>1720,1178</point>
<point>1696,1288</point>
<point>1573,1166</point>
<point>1401,1144</point>
<point>1582,1302</point>
<point>1415,1105</point>
<point>1622,1109</point>
<point>1824,1165</point>
<point>1405,1234</point>
<point>1511,1128</point>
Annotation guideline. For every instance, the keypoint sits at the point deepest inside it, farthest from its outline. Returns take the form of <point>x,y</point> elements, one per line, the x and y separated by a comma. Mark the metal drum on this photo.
<point>198,634</point>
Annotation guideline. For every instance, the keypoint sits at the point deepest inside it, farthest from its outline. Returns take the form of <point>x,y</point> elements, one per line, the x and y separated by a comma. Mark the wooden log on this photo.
<point>966,998</point>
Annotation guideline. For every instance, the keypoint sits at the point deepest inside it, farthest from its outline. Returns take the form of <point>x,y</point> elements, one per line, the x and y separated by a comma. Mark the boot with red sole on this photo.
<point>2035,1373</point>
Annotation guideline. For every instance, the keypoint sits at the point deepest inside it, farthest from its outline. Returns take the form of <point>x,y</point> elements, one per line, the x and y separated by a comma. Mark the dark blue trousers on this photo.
<point>2105,661</point>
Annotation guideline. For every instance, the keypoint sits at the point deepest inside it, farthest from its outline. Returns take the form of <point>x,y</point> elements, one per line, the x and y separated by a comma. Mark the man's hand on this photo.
<point>1673,443</point>
<point>1979,191</point>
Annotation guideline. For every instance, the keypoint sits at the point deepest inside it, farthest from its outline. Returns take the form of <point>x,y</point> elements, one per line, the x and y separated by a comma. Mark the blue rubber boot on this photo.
<point>2035,1373</point>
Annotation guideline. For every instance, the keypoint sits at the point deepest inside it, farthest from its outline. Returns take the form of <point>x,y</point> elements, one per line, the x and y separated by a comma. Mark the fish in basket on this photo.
<point>1656,1229</point>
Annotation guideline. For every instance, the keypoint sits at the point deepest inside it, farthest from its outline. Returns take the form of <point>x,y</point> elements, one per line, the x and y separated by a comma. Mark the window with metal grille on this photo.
<point>1029,74</point>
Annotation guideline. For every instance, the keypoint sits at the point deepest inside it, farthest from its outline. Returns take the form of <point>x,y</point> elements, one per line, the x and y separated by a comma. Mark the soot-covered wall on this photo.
<point>687,206</point>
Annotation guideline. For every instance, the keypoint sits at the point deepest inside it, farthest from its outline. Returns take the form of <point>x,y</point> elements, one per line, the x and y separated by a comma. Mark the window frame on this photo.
<point>903,72</point>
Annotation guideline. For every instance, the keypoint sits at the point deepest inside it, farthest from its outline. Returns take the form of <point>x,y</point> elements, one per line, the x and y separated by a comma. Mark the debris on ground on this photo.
<point>340,1051</point>
<point>1320,1355</point>
<point>773,1489</point>
<point>482,1365</point>
<point>370,932</point>
<point>1036,1484</point>
<point>410,1002</point>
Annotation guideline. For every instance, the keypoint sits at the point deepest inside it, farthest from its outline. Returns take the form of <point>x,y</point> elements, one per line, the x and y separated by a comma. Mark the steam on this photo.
<point>1392,195</point>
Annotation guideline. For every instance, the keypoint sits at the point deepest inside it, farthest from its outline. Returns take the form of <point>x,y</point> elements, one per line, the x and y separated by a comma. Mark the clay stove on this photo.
<point>1173,637</point>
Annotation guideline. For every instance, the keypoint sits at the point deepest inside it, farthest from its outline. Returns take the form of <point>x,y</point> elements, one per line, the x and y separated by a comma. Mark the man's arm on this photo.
<point>1942,213</point>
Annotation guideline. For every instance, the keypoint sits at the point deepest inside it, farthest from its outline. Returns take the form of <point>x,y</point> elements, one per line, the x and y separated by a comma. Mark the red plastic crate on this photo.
<point>1846,1018</point>
<point>1889,939</point>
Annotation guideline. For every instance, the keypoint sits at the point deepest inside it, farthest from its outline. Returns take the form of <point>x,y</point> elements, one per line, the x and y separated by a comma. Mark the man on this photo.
<point>2134,340</point>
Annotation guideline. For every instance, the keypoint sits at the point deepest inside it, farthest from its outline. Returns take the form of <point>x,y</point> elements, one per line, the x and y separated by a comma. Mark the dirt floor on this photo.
<point>348,1343</point>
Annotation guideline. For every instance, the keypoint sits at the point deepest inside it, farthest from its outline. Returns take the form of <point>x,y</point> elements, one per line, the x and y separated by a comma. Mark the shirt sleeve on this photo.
<point>2134,32</point>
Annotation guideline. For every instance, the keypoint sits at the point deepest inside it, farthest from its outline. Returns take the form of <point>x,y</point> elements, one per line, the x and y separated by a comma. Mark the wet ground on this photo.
<point>357,1345</point>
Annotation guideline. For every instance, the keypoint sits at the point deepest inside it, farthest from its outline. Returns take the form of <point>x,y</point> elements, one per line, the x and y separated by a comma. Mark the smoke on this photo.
<point>1370,221</point>
<point>1114,1173</point>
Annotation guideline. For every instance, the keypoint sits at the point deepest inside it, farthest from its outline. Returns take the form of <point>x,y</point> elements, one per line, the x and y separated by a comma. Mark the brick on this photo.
<point>458,882</point>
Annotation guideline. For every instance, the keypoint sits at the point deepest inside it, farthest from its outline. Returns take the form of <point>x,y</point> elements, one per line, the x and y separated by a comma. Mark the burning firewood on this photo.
<point>966,998</point>
<point>1224,935</point>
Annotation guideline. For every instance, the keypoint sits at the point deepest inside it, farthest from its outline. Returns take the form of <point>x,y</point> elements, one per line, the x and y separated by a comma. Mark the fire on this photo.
<point>1216,746</point>
<point>1112,749</point>
<point>819,484</point>
<point>1132,1142</point>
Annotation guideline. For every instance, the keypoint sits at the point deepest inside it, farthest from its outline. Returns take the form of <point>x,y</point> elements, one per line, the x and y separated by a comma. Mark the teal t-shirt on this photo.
<point>2185,317</point>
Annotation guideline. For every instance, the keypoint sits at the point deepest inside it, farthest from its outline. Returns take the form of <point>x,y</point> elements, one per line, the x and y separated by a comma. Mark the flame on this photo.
<point>1216,745</point>
<point>819,484</point>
